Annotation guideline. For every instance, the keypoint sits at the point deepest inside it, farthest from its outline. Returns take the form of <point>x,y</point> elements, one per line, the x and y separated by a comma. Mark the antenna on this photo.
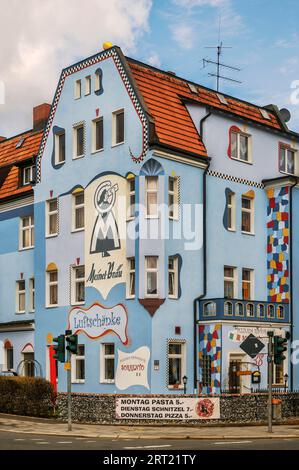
<point>219,64</point>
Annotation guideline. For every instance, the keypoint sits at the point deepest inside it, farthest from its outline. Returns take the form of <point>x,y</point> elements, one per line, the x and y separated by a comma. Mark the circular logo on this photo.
<point>204,408</point>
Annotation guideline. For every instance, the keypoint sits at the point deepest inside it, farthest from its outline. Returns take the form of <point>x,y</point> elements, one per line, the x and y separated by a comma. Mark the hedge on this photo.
<point>27,396</point>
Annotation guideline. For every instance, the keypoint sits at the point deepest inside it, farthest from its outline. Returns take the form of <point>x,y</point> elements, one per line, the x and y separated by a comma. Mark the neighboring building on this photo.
<point>17,173</point>
<point>163,232</point>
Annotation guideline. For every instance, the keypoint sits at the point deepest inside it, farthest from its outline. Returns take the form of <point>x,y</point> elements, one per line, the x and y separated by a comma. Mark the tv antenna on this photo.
<point>219,64</point>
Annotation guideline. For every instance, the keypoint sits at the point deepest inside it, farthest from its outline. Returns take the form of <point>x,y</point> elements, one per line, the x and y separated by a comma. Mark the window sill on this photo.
<point>76,304</point>
<point>52,306</point>
<point>20,313</point>
<point>252,234</point>
<point>78,157</point>
<point>75,230</point>
<point>233,230</point>
<point>97,151</point>
<point>152,217</point>
<point>53,235</point>
<point>78,381</point>
<point>130,297</point>
<point>173,297</point>
<point>118,144</point>
<point>287,174</point>
<point>107,382</point>
<point>129,219</point>
<point>241,161</point>
<point>27,248</point>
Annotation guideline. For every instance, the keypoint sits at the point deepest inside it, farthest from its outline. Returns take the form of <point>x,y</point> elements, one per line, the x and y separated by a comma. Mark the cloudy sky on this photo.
<point>39,38</point>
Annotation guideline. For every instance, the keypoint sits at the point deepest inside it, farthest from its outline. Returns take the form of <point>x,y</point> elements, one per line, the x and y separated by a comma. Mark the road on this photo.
<point>21,441</point>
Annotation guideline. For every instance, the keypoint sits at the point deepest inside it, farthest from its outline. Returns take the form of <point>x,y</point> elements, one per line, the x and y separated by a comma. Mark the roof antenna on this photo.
<point>219,64</point>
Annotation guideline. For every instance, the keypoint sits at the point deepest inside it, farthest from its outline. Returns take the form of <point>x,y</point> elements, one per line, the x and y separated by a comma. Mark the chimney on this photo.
<point>2,138</point>
<point>40,116</point>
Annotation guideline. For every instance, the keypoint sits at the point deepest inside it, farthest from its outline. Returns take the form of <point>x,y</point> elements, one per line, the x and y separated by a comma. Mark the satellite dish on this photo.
<point>285,114</point>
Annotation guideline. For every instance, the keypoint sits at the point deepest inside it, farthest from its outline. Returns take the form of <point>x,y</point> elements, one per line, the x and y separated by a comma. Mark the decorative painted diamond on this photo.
<point>252,346</point>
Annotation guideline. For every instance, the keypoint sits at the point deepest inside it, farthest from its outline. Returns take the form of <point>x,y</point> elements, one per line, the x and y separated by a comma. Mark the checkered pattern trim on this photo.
<point>235,179</point>
<point>134,98</point>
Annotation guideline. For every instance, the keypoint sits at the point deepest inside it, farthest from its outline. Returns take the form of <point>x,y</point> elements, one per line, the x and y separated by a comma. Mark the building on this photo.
<point>163,218</point>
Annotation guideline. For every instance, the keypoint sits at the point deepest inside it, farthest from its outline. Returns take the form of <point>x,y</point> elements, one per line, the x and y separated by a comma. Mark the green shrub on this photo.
<point>26,396</point>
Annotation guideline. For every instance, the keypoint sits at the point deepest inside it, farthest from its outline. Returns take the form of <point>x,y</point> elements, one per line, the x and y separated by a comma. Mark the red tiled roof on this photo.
<point>10,157</point>
<point>164,96</point>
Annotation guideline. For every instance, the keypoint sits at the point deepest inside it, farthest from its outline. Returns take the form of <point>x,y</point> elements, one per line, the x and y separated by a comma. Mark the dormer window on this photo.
<point>28,175</point>
<point>287,159</point>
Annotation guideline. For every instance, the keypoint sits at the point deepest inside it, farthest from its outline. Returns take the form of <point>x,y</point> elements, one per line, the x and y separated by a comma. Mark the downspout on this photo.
<point>291,279</point>
<point>197,299</point>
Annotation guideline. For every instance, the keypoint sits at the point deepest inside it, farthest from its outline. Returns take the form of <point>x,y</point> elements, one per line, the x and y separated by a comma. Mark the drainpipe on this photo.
<point>291,279</point>
<point>197,299</point>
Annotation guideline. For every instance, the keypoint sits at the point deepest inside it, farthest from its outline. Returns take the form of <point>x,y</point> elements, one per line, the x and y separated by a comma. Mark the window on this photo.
<point>27,232</point>
<point>77,89</point>
<point>28,174</point>
<point>270,311</point>
<point>247,284</point>
<point>228,308</point>
<point>78,211</point>
<point>78,285</point>
<point>52,288</point>
<point>287,159</point>
<point>60,148</point>
<point>229,282</point>
<point>31,295</point>
<point>176,364</point>
<point>78,141</point>
<point>87,85</point>
<point>280,312</point>
<point>78,363</point>
<point>151,196</point>
<point>247,215</point>
<point>249,310</point>
<point>131,286</point>
<point>206,370</point>
<point>173,277</point>
<point>151,267</point>
<point>278,374</point>
<point>239,309</point>
<point>231,211</point>
<point>107,363</point>
<point>52,218</point>
<point>260,310</point>
<point>98,81</point>
<point>240,146</point>
<point>118,122</point>
<point>21,297</point>
<point>173,197</point>
<point>9,358</point>
<point>209,309</point>
<point>97,135</point>
<point>29,365</point>
<point>131,198</point>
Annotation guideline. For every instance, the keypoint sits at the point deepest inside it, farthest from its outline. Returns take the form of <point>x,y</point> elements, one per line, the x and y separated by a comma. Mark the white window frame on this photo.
<point>74,281</point>
<point>24,180</point>
<point>250,212</point>
<point>76,207</point>
<point>174,194</point>
<point>207,311</point>
<point>31,294</point>
<point>231,206</point>
<point>286,148</point>
<point>50,284</point>
<point>233,279</point>
<point>250,282</point>
<point>183,357</point>
<point>77,89</point>
<point>174,271</point>
<point>76,127</point>
<point>19,293</point>
<point>148,271</point>
<point>131,276</point>
<point>151,191</point>
<point>48,215</point>
<point>75,358</point>
<point>249,145</point>
<point>57,138</point>
<point>87,83</point>
<point>94,149</point>
<point>131,194</point>
<point>30,229</point>
<point>114,122</point>
<point>274,374</point>
<point>103,357</point>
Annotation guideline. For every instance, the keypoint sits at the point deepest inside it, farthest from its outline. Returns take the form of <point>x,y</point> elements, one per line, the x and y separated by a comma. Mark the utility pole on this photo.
<point>69,392</point>
<point>270,379</point>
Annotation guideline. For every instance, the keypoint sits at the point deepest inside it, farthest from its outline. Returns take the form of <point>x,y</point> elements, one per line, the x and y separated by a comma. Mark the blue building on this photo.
<point>163,220</point>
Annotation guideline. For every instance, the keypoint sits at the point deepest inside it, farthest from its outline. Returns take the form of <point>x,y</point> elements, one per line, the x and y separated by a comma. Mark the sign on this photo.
<point>240,333</point>
<point>256,377</point>
<point>132,368</point>
<point>243,372</point>
<point>97,321</point>
<point>105,233</point>
<point>167,408</point>
<point>252,346</point>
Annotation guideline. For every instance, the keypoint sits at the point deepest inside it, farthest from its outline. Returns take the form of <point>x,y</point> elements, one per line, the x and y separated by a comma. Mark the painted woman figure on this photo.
<point>105,235</point>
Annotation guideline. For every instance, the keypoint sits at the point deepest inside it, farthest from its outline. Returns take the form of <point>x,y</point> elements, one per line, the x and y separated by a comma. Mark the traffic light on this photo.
<point>59,348</point>
<point>72,343</point>
<point>279,348</point>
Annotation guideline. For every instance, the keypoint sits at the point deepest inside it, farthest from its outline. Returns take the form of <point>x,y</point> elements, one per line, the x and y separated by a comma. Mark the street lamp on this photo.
<point>185,380</point>
<point>285,381</point>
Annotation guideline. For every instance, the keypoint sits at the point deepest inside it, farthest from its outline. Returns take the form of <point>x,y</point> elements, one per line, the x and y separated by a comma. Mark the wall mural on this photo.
<point>210,345</point>
<point>105,233</point>
<point>278,245</point>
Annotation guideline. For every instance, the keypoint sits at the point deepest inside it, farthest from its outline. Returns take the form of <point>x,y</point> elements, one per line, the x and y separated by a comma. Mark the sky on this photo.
<point>39,38</point>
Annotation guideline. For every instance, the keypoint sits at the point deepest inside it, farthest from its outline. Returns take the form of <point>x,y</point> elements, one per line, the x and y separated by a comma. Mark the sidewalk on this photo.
<point>9,423</point>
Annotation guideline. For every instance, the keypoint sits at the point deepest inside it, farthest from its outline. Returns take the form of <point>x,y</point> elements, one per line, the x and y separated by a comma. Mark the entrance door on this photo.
<point>238,383</point>
<point>28,364</point>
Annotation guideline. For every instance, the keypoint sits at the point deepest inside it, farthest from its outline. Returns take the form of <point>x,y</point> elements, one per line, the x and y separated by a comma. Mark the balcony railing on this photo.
<point>249,310</point>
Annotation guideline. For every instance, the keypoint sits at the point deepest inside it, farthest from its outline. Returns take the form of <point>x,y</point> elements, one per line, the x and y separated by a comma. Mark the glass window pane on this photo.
<point>120,136</point>
<point>234,145</point>
<point>151,262</point>
<point>174,371</point>
<point>243,147</point>
<point>246,222</point>
<point>174,348</point>
<point>152,283</point>
<point>109,369</point>
<point>80,140</point>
